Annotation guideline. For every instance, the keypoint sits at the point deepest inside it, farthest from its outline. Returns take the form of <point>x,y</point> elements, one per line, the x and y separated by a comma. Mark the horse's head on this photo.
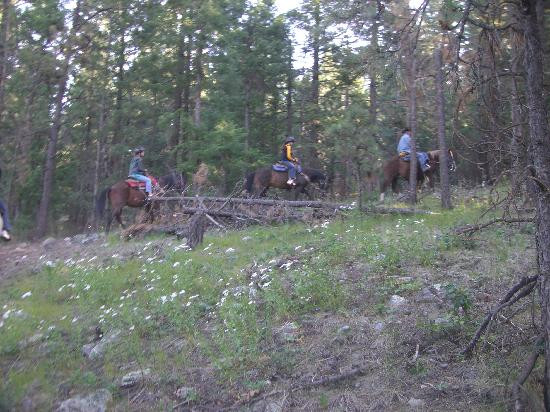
<point>318,177</point>
<point>176,180</point>
<point>434,159</point>
<point>452,163</point>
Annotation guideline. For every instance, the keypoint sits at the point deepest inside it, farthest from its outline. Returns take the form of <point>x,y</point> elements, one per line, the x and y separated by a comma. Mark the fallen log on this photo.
<point>266,202</point>
<point>396,211</point>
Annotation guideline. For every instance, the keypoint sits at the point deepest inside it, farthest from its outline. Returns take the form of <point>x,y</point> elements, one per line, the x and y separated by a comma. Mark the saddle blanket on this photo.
<point>278,167</point>
<point>136,184</point>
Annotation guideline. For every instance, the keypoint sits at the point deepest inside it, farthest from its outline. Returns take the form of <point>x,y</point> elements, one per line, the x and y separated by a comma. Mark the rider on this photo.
<point>5,233</point>
<point>290,161</point>
<point>404,150</point>
<point>137,172</point>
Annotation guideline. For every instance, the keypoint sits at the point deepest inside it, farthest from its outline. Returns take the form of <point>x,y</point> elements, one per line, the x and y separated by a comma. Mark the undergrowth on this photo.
<point>223,300</point>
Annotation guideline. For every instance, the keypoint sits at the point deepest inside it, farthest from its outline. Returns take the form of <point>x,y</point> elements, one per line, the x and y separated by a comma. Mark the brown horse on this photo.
<point>121,194</point>
<point>395,168</point>
<point>258,182</point>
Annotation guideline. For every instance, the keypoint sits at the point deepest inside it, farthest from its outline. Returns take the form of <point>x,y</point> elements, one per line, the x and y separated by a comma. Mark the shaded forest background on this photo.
<point>83,82</point>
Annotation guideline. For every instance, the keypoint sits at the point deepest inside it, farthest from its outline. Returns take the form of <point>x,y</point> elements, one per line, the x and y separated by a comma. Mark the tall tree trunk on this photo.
<point>315,85</point>
<point>198,84</point>
<point>121,61</point>
<point>289,92</point>
<point>178,99</point>
<point>4,38</point>
<point>443,160</point>
<point>99,151</point>
<point>373,92</point>
<point>50,163</point>
<point>539,159</point>
<point>246,125</point>
<point>412,121</point>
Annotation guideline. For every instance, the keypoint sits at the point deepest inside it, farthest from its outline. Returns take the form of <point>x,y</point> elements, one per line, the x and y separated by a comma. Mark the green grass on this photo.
<point>194,295</point>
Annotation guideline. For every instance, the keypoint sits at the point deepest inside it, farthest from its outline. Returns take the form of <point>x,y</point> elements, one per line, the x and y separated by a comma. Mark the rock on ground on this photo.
<point>96,350</point>
<point>94,402</point>
<point>135,377</point>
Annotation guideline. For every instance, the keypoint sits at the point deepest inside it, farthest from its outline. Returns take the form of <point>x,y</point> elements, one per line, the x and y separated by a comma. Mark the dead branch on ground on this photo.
<point>470,229</point>
<point>525,286</point>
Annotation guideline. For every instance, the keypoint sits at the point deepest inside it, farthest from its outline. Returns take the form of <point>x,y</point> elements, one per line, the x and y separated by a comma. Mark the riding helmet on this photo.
<point>290,139</point>
<point>139,149</point>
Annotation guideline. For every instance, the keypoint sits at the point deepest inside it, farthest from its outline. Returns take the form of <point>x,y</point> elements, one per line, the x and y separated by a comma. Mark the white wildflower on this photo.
<point>176,264</point>
<point>26,295</point>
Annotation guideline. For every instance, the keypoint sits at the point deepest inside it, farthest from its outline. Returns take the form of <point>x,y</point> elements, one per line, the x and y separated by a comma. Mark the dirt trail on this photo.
<point>22,258</point>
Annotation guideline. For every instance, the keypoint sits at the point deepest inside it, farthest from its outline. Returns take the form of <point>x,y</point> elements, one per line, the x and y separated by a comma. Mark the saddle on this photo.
<point>136,184</point>
<point>279,167</point>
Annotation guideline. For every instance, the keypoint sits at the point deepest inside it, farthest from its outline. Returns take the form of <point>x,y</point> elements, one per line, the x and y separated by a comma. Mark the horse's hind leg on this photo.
<point>118,216</point>
<point>109,221</point>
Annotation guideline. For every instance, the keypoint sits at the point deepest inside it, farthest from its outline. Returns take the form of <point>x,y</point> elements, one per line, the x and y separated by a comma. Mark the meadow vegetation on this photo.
<point>249,308</point>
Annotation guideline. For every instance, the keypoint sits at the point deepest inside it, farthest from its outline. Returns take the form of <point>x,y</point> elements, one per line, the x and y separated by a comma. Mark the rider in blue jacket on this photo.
<point>137,171</point>
<point>404,151</point>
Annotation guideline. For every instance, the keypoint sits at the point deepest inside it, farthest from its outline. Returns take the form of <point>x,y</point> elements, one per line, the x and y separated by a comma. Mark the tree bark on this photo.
<point>443,159</point>
<point>539,159</point>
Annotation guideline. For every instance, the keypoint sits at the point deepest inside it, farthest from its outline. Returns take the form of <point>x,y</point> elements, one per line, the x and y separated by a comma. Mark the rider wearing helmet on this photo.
<point>6,229</point>
<point>289,160</point>
<point>137,171</point>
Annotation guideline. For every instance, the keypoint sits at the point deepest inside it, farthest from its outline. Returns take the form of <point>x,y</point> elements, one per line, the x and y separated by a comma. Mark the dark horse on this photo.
<point>395,168</point>
<point>120,195</point>
<point>258,182</point>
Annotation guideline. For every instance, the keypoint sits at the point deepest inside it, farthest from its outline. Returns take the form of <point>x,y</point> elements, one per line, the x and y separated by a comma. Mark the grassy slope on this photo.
<point>181,311</point>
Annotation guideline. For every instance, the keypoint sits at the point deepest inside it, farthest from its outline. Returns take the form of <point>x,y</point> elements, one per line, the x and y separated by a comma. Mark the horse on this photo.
<point>395,168</point>
<point>121,194</point>
<point>258,182</point>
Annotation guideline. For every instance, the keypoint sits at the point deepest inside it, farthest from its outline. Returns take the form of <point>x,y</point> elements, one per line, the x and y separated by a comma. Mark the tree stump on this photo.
<point>196,228</point>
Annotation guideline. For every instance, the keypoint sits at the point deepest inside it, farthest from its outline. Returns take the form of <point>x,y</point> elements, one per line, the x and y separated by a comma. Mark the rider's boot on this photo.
<point>5,235</point>
<point>291,182</point>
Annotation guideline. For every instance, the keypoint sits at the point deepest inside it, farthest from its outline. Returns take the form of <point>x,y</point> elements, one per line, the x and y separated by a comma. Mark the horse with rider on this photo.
<point>400,166</point>
<point>136,191</point>
<point>286,174</point>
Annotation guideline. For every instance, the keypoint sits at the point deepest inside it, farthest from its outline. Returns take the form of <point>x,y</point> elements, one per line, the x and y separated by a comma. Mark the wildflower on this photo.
<point>176,264</point>
<point>26,295</point>
<point>230,250</point>
<point>131,327</point>
<point>147,317</point>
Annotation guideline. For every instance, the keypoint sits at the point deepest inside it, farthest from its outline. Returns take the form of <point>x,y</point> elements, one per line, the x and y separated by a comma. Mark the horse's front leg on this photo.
<point>306,192</point>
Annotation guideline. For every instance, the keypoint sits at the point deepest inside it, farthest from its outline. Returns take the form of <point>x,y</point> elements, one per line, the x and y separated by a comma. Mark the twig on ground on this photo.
<point>327,380</point>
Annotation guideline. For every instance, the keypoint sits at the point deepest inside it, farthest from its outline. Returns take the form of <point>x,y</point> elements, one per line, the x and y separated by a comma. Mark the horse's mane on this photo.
<point>434,154</point>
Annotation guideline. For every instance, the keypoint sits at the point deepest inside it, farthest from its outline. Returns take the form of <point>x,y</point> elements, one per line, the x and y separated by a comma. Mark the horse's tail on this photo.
<point>249,181</point>
<point>100,203</point>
